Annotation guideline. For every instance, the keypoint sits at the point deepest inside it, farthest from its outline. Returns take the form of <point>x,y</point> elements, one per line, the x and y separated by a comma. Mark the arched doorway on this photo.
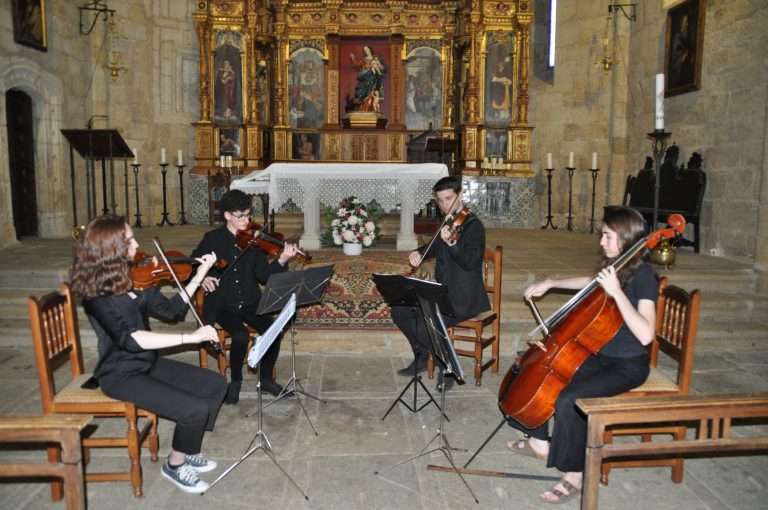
<point>21,162</point>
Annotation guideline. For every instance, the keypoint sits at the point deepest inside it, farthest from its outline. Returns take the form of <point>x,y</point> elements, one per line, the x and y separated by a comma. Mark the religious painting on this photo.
<point>306,146</point>
<point>363,70</point>
<point>228,82</point>
<point>29,24</point>
<point>229,141</point>
<point>684,42</point>
<point>424,89</point>
<point>262,92</point>
<point>498,79</point>
<point>306,86</point>
<point>496,143</point>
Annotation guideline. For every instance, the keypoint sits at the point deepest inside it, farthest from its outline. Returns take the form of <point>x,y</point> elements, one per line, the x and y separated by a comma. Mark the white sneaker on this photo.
<point>200,463</point>
<point>185,478</point>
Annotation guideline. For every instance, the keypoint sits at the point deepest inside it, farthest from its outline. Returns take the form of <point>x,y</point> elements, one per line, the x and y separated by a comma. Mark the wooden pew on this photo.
<point>61,429</point>
<point>713,414</point>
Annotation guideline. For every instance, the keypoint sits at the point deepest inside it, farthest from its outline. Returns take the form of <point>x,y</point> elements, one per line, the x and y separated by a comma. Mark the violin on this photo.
<point>455,222</point>
<point>272,244</point>
<point>147,271</point>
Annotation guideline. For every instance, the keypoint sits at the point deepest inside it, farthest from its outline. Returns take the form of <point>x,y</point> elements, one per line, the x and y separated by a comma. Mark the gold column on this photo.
<point>522,81</point>
<point>397,92</point>
<point>204,40</point>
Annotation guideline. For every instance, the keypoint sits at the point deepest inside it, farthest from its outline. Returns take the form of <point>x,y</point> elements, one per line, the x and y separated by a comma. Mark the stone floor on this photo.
<point>336,468</point>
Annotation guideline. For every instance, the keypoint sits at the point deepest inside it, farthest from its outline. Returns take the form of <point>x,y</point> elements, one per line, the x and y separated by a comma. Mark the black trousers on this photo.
<point>234,320</point>
<point>411,322</point>
<point>599,376</point>
<point>188,395</point>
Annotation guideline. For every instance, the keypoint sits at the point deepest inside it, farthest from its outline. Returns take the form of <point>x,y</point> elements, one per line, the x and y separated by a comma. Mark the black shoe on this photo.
<point>444,383</point>
<point>419,364</point>
<point>271,386</point>
<point>233,392</point>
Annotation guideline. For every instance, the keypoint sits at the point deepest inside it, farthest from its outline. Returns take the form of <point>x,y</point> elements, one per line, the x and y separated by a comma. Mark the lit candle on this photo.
<point>594,160</point>
<point>162,156</point>
<point>570,160</point>
<point>221,161</point>
<point>549,160</point>
<point>180,158</point>
<point>228,161</point>
<point>659,102</point>
<point>135,156</point>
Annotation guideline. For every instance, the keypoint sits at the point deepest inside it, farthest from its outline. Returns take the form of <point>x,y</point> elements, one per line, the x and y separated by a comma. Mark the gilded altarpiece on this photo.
<point>330,80</point>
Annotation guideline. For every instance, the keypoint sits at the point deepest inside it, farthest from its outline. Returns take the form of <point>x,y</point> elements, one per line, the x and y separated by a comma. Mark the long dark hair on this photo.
<point>630,227</point>
<point>101,260</point>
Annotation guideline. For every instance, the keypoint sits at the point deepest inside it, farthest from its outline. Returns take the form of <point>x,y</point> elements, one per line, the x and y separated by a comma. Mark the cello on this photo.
<point>577,330</point>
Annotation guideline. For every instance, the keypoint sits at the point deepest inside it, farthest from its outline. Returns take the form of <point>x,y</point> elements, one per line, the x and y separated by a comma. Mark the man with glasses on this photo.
<point>231,299</point>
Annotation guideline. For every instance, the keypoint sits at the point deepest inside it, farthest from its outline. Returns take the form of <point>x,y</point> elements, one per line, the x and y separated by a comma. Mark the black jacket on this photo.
<point>460,268</point>
<point>240,285</point>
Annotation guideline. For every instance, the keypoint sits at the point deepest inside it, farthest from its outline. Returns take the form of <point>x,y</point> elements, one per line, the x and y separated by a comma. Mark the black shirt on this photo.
<point>643,285</point>
<point>115,317</point>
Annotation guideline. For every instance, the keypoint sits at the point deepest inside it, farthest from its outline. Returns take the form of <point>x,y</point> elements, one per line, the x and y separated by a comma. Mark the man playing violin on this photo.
<point>458,266</point>
<point>233,294</point>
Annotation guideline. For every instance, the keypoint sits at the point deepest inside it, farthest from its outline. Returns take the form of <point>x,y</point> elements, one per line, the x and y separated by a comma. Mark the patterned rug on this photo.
<point>351,299</point>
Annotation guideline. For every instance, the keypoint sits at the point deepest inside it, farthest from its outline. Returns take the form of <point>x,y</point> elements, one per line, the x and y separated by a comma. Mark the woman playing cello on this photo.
<point>129,367</point>
<point>622,364</point>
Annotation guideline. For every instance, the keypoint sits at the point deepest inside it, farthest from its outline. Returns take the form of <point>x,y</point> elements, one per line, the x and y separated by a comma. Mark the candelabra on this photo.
<point>549,200</point>
<point>570,169</point>
<point>182,214</point>
<point>659,139</point>
<point>136,168</point>
<point>164,220</point>
<point>125,190</point>
<point>594,171</point>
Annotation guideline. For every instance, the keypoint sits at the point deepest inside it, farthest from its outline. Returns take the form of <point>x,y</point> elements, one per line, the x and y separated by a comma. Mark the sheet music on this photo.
<point>264,342</point>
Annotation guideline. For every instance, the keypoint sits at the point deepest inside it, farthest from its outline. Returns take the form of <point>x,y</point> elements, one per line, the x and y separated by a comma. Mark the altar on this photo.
<point>398,188</point>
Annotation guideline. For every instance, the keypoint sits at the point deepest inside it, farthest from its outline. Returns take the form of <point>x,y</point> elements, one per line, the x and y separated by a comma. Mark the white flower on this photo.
<point>352,220</point>
<point>355,201</point>
<point>367,241</point>
<point>336,222</point>
<point>362,212</point>
<point>337,239</point>
<point>348,236</point>
<point>370,227</point>
<point>342,212</point>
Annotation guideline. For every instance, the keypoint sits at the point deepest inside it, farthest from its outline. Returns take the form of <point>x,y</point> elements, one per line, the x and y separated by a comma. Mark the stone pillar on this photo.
<point>761,243</point>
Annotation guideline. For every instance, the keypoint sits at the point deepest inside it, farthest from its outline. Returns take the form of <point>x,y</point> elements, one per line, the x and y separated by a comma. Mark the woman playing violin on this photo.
<point>622,364</point>
<point>129,367</point>
<point>458,251</point>
<point>232,297</point>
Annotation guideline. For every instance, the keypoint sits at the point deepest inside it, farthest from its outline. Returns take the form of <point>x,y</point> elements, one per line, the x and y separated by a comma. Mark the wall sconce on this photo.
<point>628,10</point>
<point>100,9</point>
<point>117,45</point>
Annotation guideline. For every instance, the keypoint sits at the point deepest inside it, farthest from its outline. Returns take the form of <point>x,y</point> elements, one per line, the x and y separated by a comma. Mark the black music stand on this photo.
<point>308,286</point>
<point>431,298</point>
<point>93,145</point>
<point>400,290</point>
<point>260,441</point>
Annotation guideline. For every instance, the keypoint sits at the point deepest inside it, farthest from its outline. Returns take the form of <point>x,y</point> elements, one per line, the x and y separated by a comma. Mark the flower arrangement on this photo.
<point>352,222</point>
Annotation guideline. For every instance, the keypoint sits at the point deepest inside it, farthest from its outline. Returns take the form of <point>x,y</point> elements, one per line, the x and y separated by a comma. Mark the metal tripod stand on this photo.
<point>443,446</point>
<point>259,442</point>
<point>414,407</point>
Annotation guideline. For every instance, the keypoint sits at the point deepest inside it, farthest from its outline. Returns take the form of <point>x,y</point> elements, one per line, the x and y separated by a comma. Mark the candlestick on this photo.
<point>179,158</point>
<point>594,171</point>
<point>162,156</point>
<point>136,167</point>
<point>163,170</point>
<point>549,194</point>
<point>549,160</point>
<point>570,160</point>
<point>571,170</point>
<point>182,214</point>
<point>594,161</point>
<point>660,102</point>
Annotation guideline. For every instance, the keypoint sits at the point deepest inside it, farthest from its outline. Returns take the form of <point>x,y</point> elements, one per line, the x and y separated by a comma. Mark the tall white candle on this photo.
<point>660,102</point>
<point>594,160</point>
<point>549,160</point>
<point>229,161</point>
<point>221,161</point>
<point>570,160</point>
<point>135,156</point>
<point>162,155</point>
<point>179,158</point>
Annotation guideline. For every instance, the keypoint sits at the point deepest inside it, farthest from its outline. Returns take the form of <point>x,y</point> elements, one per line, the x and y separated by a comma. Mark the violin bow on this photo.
<point>182,289</point>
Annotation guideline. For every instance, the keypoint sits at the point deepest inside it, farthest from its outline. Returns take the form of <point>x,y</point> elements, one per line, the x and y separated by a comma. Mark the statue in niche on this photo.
<point>370,78</point>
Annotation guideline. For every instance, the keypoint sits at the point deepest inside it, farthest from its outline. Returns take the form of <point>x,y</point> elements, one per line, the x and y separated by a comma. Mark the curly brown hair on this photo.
<point>100,266</point>
<point>630,227</point>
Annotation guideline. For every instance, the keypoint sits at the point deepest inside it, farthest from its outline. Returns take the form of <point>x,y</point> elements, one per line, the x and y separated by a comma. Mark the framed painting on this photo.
<point>424,89</point>
<point>306,146</point>
<point>228,79</point>
<point>498,79</point>
<point>496,143</point>
<point>229,142</point>
<point>306,86</point>
<point>29,23</point>
<point>684,41</point>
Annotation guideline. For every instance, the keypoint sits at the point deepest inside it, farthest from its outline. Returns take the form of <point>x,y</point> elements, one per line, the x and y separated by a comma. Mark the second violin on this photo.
<point>272,244</point>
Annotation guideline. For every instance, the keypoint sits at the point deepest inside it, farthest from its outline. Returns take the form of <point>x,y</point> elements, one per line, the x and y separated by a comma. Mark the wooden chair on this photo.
<point>677,318</point>
<point>471,330</point>
<point>56,340</point>
<point>61,429</point>
<point>225,340</point>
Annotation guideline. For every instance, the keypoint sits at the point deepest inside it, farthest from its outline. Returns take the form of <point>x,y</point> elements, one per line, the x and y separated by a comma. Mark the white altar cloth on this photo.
<point>309,184</point>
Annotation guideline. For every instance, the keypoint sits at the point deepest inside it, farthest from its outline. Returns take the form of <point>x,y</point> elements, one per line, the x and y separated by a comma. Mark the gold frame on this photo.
<point>21,34</point>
